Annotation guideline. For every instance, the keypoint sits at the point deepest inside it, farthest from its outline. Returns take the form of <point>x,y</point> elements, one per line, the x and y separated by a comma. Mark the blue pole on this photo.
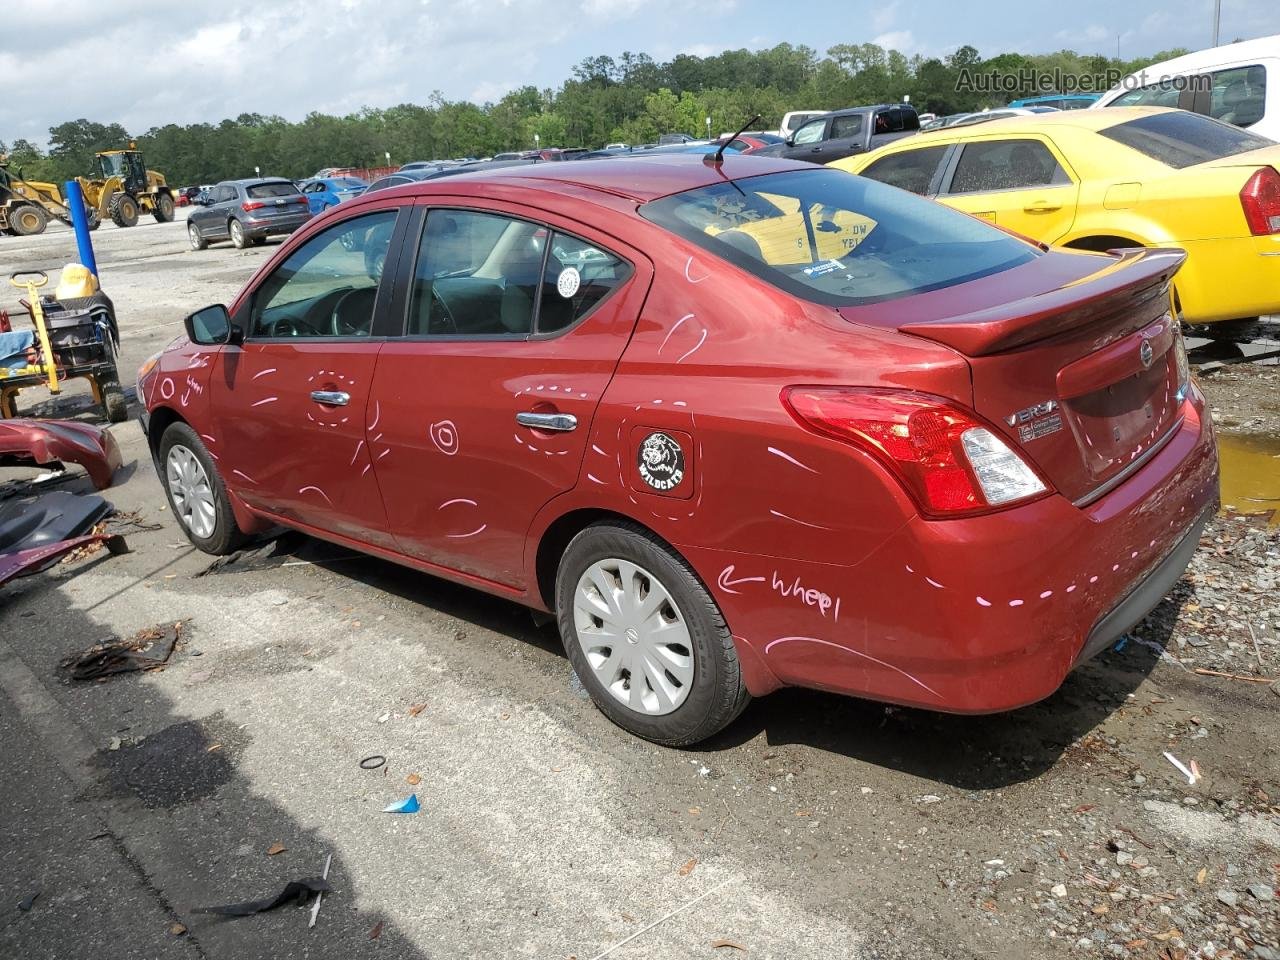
<point>75,204</point>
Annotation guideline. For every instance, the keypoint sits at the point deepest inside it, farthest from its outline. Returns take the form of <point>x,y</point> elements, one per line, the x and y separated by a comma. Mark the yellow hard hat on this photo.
<point>76,281</point>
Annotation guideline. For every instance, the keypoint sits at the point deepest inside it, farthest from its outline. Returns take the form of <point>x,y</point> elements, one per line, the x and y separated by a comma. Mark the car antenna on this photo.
<point>718,156</point>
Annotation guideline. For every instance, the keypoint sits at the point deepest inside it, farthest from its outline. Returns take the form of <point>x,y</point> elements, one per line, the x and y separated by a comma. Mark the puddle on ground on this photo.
<point>1250,467</point>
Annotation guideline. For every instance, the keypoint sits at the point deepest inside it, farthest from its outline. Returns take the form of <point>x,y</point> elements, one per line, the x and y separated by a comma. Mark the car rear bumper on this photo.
<point>983,614</point>
<point>1229,279</point>
<point>274,226</point>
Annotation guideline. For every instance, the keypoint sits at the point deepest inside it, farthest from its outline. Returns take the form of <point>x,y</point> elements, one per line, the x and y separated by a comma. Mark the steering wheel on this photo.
<point>352,314</point>
<point>442,314</point>
<point>290,327</point>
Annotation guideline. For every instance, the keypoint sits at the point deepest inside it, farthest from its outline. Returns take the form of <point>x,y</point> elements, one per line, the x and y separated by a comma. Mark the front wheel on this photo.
<point>239,238</point>
<point>123,209</point>
<point>196,492</point>
<point>646,637</point>
<point>196,238</point>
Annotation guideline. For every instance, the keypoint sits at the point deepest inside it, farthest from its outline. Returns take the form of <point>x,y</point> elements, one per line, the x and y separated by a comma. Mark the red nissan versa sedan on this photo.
<point>739,425</point>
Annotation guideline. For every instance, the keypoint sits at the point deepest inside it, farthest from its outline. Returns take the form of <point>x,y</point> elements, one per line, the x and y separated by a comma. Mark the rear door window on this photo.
<point>1180,139</point>
<point>992,165</point>
<point>908,170</point>
<point>849,126</point>
<point>477,276</point>
<point>224,194</point>
<point>1239,95</point>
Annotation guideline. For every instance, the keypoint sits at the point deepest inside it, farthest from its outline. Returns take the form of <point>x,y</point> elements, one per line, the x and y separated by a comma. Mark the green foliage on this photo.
<point>631,98</point>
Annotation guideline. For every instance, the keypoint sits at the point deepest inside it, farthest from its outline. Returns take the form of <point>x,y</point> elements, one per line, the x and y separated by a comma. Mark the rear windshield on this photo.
<point>1182,139</point>
<point>349,182</point>
<point>278,188</point>
<point>837,239</point>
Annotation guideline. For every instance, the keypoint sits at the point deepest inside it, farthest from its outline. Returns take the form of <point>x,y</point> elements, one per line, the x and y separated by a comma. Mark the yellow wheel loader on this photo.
<point>27,206</point>
<point>125,188</point>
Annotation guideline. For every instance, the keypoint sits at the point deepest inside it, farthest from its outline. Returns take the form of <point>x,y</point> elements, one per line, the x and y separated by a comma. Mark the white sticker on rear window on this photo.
<point>818,269</point>
<point>568,282</point>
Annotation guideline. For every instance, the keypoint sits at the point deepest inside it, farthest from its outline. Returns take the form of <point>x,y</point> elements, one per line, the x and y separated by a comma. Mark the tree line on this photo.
<point>631,98</point>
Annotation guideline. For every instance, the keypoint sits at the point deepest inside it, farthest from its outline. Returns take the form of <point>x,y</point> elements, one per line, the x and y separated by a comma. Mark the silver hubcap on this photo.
<point>191,492</point>
<point>633,636</point>
<point>237,232</point>
<point>194,234</point>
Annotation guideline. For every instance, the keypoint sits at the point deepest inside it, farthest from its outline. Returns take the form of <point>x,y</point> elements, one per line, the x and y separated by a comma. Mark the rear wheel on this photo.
<point>238,237</point>
<point>123,210</point>
<point>163,207</point>
<point>93,217</point>
<point>645,637</point>
<point>27,220</point>
<point>196,238</point>
<point>196,492</point>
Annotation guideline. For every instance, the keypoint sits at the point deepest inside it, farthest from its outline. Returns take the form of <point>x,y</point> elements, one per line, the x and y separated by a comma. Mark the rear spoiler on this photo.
<point>1134,278</point>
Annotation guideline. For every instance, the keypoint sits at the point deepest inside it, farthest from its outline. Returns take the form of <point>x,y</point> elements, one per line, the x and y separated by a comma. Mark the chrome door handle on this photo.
<point>331,398</point>
<point>559,422</point>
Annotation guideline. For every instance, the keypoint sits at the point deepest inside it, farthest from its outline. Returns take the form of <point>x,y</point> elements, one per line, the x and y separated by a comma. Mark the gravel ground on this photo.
<point>816,826</point>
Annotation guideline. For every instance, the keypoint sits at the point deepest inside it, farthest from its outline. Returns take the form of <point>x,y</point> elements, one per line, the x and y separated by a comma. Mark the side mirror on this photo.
<point>791,139</point>
<point>210,326</point>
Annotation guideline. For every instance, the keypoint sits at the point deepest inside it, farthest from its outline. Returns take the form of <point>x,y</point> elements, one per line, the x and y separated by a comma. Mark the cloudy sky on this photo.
<point>202,60</point>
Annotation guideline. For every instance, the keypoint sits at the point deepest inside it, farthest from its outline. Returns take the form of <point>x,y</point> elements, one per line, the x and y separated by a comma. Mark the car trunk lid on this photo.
<point>1082,377</point>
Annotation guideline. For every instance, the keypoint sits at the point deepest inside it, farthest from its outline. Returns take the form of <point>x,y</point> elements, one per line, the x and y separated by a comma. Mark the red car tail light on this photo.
<point>299,199</point>
<point>1260,199</point>
<point>950,462</point>
<point>252,205</point>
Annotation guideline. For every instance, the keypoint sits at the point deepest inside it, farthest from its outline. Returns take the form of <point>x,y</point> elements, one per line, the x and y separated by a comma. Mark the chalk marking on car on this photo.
<point>356,455</point>
<point>803,523</point>
<point>258,403</point>
<point>857,653</point>
<point>263,373</point>
<point>790,459</point>
<point>687,267</point>
<point>444,434</point>
<point>302,490</point>
<point>241,473</point>
<point>674,327</point>
<point>166,383</point>
<point>696,347</point>
<point>449,503</point>
<point>726,584</point>
<point>377,414</point>
<point>461,536</point>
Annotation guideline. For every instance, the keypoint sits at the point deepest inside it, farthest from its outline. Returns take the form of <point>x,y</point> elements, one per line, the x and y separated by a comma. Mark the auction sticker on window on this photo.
<point>568,282</point>
<point>661,462</point>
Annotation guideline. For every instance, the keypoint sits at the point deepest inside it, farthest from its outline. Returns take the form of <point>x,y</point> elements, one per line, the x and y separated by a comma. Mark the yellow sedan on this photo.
<point>1122,177</point>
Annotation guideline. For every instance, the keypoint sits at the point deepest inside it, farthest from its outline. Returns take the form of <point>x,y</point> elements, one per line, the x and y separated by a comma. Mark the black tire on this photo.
<point>259,241</point>
<point>162,207</point>
<point>717,694</point>
<point>1244,330</point>
<point>226,536</point>
<point>123,210</point>
<point>93,217</point>
<point>196,238</point>
<point>114,403</point>
<point>239,239</point>
<point>27,220</point>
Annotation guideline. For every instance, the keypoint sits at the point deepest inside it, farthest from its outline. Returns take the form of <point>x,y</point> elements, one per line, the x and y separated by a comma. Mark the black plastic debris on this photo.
<point>145,650</point>
<point>296,892</point>
<point>29,901</point>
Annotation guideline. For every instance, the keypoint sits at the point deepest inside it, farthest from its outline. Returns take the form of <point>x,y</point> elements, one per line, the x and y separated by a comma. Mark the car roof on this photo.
<point>253,181</point>
<point>638,178</point>
<point>1091,120</point>
<point>1261,48</point>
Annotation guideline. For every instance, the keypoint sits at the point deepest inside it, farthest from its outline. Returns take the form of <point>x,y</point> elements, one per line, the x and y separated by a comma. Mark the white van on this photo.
<point>793,121</point>
<point>1238,83</point>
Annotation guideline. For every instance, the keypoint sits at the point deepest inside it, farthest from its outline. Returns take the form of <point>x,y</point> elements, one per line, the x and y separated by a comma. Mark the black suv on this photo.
<point>843,133</point>
<point>247,212</point>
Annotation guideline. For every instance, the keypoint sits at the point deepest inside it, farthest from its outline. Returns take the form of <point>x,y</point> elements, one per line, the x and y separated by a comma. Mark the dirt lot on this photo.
<point>815,827</point>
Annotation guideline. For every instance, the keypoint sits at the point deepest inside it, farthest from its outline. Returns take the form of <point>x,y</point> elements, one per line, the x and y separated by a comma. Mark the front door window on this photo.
<point>328,287</point>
